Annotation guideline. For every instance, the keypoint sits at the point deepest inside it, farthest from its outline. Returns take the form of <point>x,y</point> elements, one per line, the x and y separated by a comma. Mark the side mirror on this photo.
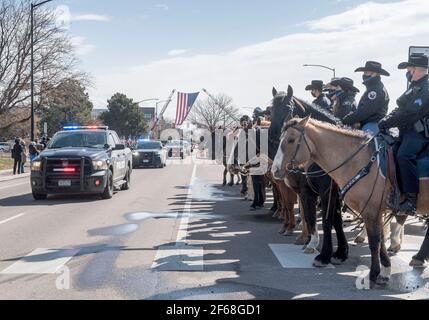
<point>119,147</point>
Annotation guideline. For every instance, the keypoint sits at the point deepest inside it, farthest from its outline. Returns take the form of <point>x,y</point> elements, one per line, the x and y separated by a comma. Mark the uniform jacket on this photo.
<point>413,106</point>
<point>373,105</point>
<point>345,104</point>
<point>323,101</point>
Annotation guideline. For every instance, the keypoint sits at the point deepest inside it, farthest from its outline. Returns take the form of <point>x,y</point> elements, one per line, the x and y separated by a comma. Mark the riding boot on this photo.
<point>409,206</point>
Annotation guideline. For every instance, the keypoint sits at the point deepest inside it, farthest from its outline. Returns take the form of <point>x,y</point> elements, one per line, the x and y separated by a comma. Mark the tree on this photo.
<point>124,116</point>
<point>214,113</point>
<point>54,58</point>
<point>68,103</point>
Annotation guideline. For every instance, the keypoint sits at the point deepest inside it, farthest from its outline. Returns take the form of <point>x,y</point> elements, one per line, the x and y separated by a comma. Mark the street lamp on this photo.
<point>33,6</point>
<point>321,66</point>
<point>146,100</point>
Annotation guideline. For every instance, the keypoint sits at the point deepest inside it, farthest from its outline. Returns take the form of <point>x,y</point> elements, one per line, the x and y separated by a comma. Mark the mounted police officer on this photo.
<point>374,103</point>
<point>411,117</point>
<point>344,97</point>
<point>316,88</point>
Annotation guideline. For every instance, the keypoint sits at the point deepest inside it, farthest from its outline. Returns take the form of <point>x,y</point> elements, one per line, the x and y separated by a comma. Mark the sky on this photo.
<point>241,48</point>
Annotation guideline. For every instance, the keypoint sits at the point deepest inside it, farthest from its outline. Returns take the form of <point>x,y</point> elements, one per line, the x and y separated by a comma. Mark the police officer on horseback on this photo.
<point>374,104</point>
<point>344,97</point>
<point>316,88</point>
<point>412,119</point>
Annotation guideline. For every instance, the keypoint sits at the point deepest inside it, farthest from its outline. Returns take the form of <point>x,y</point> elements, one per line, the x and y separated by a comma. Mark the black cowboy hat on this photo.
<point>346,84</point>
<point>374,67</point>
<point>415,60</point>
<point>315,85</point>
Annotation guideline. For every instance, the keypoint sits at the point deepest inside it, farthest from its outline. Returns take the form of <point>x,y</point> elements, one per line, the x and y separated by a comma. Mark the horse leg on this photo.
<point>238,180</point>
<point>231,179</point>
<point>374,229</point>
<point>225,172</point>
<point>290,212</point>
<point>275,196</point>
<point>303,237</point>
<point>423,255</point>
<point>342,253</point>
<point>309,204</point>
<point>396,234</point>
<point>361,236</point>
<point>328,211</point>
<point>386,269</point>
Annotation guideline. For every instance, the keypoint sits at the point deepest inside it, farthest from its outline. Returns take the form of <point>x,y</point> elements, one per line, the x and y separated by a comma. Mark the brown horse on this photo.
<point>343,153</point>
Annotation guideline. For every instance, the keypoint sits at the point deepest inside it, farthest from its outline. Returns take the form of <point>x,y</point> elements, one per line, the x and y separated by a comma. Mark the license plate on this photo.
<point>145,161</point>
<point>64,183</point>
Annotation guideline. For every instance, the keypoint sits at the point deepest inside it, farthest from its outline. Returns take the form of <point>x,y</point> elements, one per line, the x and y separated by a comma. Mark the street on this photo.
<point>177,234</point>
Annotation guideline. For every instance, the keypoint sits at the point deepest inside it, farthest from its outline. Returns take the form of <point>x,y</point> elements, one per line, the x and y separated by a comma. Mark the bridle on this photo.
<point>292,163</point>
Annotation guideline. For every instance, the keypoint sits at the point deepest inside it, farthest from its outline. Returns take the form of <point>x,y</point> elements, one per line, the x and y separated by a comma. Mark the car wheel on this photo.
<point>108,191</point>
<point>40,196</point>
<point>127,184</point>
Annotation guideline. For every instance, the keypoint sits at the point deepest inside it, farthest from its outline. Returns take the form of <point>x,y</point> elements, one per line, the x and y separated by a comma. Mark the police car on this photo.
<point>82,160</point>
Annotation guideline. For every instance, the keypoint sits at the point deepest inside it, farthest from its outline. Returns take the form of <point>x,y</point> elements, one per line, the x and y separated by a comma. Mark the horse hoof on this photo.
<point>310,250</point>
<point>319,264</point>
<point>394,249</point>
<point>337,261</point>
<point>415,263</point>
<point>382,281</point>
<point>299,241</point>
<point>360,240</point>
<point>288,233</point>
<point>282,230</point>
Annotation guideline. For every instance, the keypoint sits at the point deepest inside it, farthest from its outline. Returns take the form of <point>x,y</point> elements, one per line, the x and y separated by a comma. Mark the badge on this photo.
<point>372,95</point>
<point>419,102</point>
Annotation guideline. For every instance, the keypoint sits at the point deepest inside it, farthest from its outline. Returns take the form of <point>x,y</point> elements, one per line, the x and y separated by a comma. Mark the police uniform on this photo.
<point>322,100</point>
<point>411,117</point>
<point>374,104</point>
<point>345,98</point>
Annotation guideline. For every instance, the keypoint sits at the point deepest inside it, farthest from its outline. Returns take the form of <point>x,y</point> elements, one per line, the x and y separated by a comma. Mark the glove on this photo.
<point>382,125</point>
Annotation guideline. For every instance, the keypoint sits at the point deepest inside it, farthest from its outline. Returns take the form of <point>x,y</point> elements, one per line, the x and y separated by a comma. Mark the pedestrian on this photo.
<point>374,103</point>
<point>17,157</point>
<point>258,167</point>
<point>33,152</point>
<point>24,156</point>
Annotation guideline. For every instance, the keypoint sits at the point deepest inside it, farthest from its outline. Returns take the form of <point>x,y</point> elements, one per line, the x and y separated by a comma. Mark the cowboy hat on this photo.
<point>415,60</point>
<point>315,85</point>
<point>346,84</point>
<point>374,67</point>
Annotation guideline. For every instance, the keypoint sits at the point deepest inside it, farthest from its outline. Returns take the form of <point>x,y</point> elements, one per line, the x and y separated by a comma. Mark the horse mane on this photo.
<point>331,127</point>
<point>318,112</point>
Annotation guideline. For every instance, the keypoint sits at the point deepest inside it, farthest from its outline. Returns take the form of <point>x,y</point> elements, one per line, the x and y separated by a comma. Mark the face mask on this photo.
<point>365,78</point>
<point>409,76</point>
<point>330,94</point>
<point>338,93</point>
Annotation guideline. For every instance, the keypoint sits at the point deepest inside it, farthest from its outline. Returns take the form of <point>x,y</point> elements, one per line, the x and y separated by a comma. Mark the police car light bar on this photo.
<point>70,128</point>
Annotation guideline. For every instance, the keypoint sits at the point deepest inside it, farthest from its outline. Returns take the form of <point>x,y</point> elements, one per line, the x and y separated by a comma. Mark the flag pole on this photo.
<point>164,109</point>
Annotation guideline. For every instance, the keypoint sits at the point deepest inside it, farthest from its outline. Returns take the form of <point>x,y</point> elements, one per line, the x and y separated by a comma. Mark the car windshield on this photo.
<point>149,145</point>
<point>95,140</point>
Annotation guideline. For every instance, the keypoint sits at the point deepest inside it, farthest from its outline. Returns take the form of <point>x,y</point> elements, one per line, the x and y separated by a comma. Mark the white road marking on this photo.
<point>41,261</point>
<point>181,257</point>
<point>292,257</point>
<point>14,185</point>
<point>12,218</point>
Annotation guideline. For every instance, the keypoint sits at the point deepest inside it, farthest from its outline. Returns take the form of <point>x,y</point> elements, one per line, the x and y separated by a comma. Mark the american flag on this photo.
<point>185,101</point>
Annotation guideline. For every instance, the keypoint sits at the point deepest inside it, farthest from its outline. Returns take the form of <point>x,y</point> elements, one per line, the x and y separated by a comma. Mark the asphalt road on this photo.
<point>177,234</point>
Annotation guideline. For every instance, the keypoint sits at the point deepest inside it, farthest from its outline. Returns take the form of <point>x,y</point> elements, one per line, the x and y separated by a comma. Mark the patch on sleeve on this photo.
<point>419,102</point>
<point>372,95</point>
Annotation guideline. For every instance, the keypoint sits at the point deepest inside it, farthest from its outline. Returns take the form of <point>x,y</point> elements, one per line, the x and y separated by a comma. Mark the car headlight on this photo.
<point>99,165</point>
<point>36,165</point>
<point>135,153</point>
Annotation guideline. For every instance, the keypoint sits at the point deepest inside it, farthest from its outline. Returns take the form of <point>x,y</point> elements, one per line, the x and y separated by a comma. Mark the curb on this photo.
<point>16,177</point>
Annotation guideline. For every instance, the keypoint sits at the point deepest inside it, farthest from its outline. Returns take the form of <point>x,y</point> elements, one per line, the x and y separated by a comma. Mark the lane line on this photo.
<point>12,218</point>
<point>186,213</point>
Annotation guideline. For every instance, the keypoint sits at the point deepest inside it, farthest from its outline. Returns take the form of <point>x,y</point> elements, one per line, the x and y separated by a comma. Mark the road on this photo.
<point>177,234</point>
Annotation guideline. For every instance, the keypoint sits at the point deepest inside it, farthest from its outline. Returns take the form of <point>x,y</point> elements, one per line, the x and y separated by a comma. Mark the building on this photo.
<point>96,113</point>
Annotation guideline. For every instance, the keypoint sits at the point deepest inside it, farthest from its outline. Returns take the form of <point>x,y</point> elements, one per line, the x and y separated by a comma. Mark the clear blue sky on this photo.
<point>143,31</point>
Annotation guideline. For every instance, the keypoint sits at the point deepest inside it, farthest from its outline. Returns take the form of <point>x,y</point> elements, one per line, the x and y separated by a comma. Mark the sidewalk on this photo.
<point>7,175</point>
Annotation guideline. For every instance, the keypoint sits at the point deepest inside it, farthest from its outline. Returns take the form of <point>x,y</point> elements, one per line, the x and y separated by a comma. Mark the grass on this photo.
<point>6,163</point>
